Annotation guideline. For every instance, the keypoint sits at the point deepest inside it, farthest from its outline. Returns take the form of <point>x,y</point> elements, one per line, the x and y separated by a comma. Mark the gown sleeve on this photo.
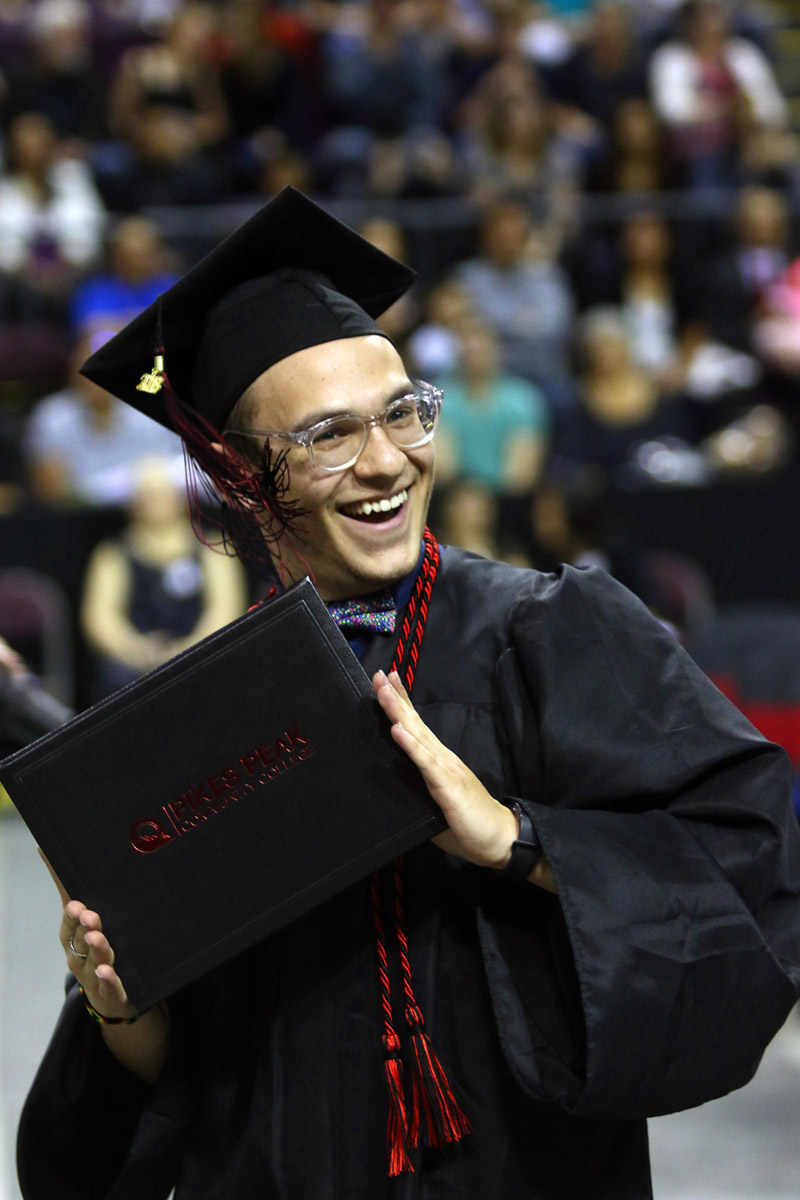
<point>90,1129</point>
<point>672,954</point>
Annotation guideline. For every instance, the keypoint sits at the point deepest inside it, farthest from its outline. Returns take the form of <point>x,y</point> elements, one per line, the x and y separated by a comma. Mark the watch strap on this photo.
<point>526,850</point>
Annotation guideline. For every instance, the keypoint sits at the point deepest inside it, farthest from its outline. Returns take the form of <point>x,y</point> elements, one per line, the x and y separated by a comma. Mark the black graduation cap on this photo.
<point>291,277</point>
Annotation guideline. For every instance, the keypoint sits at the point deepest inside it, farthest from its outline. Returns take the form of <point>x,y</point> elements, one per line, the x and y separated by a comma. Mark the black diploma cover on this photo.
<point>223,794</point>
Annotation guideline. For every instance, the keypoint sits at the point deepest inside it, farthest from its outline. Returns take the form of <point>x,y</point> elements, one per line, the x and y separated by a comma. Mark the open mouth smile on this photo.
<point>377,512</point>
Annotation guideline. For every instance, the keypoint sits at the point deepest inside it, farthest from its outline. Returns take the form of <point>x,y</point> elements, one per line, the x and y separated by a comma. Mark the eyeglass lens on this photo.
<point>408,423</point>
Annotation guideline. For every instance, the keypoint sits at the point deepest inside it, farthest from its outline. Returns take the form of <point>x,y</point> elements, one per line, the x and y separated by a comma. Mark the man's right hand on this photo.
<point>90,958</point>
<point>142,1045</point>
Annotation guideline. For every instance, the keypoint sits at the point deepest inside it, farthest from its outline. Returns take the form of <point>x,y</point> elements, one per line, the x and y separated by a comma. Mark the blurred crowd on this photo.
<point>615,301</point>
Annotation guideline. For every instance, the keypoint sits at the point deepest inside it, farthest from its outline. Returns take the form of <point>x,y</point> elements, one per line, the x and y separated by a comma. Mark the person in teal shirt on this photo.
<point>496,426</point>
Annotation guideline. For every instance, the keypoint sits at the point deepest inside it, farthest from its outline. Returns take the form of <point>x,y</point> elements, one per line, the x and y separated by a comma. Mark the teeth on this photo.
<point>372,506</point>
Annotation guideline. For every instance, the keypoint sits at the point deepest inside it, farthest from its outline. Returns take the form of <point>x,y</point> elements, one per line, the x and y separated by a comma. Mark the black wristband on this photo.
<point>526,850</point>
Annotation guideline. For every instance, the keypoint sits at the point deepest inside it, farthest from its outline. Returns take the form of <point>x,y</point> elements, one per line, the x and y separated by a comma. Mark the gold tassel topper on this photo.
<point>153,381</point>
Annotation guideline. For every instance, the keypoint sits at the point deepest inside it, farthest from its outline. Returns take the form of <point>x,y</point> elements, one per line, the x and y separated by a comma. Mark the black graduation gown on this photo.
<point>653,981</point>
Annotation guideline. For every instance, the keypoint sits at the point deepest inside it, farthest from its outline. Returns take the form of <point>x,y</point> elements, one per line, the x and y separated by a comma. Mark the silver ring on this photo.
<point>77,953</point>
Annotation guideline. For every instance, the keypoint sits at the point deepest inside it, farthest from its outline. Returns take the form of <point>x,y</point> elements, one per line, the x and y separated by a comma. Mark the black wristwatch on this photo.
<point>526,850</point>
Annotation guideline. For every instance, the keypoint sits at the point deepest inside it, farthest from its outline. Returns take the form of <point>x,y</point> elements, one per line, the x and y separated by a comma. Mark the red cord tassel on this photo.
<point>433,1100</point>
<point>397,1123</point>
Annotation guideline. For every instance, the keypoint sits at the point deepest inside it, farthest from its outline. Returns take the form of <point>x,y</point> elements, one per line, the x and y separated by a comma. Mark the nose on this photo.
<point>380,455</point>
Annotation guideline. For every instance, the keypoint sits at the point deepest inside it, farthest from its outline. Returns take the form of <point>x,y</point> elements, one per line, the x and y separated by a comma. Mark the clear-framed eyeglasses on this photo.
<point>336,443</point>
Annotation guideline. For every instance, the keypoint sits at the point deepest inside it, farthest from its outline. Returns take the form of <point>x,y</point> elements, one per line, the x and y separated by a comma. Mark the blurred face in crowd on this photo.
<point>505,235</point>
<point>63,45</point>
<point>97,400</point>
<point>761,218</point>
<point>646,241</point>
<point>350,544</point>
<point>191,32</point>
<point>386,235</point>
<point>610,32</point>
<point>158,500</point>
<point>136,249</point>
<point>479,352</point>
<point>31,143</point>
<point>636,128</point>
<point>449,305</point>
<point>605,347</point>
<point>706,24</point>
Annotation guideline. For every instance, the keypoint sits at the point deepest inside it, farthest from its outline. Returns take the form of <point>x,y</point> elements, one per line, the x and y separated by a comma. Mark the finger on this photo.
<point>99,948</point>
<point>434,767</point>
<point>109,991</point>
<point>394,701</point>
<point>69,924</point>
<point>76,922</point>
<point>396,682</point>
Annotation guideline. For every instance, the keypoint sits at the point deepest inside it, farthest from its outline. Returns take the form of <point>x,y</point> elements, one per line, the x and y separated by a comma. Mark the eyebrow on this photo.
<point>405,389</point>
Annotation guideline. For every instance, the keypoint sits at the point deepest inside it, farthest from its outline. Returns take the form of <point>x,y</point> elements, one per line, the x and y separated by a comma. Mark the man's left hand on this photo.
<point>480,828</point>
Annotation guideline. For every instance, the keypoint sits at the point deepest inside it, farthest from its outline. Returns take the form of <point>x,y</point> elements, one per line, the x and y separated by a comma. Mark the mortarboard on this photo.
<point>290,277</point>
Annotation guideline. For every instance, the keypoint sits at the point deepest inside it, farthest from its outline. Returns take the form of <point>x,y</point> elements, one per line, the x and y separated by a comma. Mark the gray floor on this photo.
<point>745,1147</point>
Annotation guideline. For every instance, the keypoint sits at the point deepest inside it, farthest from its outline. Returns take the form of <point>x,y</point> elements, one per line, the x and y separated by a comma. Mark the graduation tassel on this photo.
<point>397,1119</point>
<point>397,1123</point>
<point>436,1116</point>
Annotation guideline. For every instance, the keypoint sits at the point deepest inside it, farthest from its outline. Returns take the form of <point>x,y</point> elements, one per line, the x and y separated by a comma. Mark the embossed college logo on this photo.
<point>215,795</point>
<point>147,835</point>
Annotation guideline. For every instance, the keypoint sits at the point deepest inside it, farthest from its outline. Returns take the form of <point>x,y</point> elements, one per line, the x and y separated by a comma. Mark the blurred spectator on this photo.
<point>571,522</point>
<point>519,289</point>
<point>434,347</point>
<point>738,278</point>
<point>648,292</point>
<point>776,332</point>
<point>467,515</point>
<point>605,68</point>
<point>758,442</point>
<point>457,42</point>
<point>274,105</point>
<point>620,405</point>
<point>14,18</point>
<point>389,237</point>
<point>57,77</point>
<point>634,158</point>
<point>167,104</point>
<point>374,78</point>
<point>715,377</point>
<point>512,151</point>
<point>537,32</point>
<point>494,427</point>
<point>82,444</point>
<point>712,89</point>
<point>150,15</point>
<point>140,267</point>
<point>51,222</point>
<point>386,104</point>
<point>514,147</point>
<point>422,163</point>
<point>155,590</point>
<point>27,709</point>
<point>284,167</point>
<point>636,269</point>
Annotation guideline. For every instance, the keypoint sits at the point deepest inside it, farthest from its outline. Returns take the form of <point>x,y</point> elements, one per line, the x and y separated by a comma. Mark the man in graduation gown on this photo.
<point>608,929</point>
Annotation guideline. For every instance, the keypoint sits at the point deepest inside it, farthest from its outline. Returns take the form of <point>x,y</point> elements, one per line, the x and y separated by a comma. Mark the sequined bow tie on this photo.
<point>377,613</point>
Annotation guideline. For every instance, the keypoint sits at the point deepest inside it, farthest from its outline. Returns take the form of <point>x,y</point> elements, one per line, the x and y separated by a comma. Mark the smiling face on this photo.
<point>350,549</point>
